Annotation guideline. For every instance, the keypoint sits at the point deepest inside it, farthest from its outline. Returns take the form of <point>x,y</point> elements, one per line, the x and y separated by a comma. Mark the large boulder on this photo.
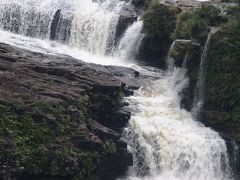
<point>52,113</point>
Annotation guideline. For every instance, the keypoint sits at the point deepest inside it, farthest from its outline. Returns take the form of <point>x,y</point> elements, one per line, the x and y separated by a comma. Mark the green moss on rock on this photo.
<point>27,136</point>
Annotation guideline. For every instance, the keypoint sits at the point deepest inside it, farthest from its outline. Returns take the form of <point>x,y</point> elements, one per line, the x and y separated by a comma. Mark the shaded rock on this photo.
<point>215,117</point>
<point>120,161</point>
<point>138,3</point>
<point>84,139</point>
<point>118,119</point>
<point>54,24</point>
<point>180,48</point>
<point>102,131</point>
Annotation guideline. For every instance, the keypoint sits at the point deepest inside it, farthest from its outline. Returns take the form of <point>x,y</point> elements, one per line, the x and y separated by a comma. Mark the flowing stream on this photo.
<point>167,144</point>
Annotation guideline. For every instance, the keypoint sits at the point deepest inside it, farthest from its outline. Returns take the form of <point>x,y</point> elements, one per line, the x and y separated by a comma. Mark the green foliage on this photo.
<point>222,82</point>
<point>47,107</point>
<point>194,25</point>
<point>86,159</point>
<point>31,134</point>
<point>30,137</point>
<point>158,24</point>
<point>208,13</point>
<point>109,147</point>
<point>159,21</point>
<point>233,12</point>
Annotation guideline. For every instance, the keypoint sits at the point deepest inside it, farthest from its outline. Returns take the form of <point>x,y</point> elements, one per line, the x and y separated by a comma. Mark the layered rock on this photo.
<point>58,117</point>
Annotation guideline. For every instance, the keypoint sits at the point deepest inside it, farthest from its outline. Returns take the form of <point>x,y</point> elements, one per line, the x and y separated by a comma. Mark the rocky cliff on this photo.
<point>60,117</point>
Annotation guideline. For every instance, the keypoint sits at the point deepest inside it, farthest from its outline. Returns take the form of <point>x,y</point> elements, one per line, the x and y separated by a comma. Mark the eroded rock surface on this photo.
<point>57,116</point>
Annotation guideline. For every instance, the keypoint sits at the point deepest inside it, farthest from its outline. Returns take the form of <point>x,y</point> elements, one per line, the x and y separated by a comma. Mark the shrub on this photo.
<point>194,25</point>
<point>159,22</point>
<point>222,80</point>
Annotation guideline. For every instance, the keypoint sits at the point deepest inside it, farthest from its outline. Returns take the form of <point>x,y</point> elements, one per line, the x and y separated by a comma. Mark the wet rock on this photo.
<point>123,23</point>
<point>128,14</point>
<point>54,24</point>
<point>216,120</point>
<point>215,117</point>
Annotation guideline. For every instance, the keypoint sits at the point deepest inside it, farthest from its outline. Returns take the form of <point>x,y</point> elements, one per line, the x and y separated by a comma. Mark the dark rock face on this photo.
<point>54,24</point>
<point>58,117</point>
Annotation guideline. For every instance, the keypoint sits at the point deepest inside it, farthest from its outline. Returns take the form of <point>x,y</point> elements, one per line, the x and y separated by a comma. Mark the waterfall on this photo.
<point>94,26</point>
<point>85,24</point>
<point>166,143</point>
<point>199,90</point>
<point>130,42</point>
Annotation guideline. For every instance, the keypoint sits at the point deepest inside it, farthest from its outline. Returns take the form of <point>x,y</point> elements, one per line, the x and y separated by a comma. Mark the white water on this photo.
<point>130,42</point>
<point>200,87</point>
<point>165,141</point>
<point>91,24</point>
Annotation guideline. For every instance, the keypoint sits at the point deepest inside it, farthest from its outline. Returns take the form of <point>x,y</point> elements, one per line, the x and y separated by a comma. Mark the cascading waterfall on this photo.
<point>167,144</point>
<point>87,25</point>
<point>93,27</point>
<point>199,91</point>
<point>129,44</point>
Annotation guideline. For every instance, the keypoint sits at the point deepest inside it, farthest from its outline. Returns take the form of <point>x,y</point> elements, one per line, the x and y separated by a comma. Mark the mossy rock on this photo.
<point>222,79</point>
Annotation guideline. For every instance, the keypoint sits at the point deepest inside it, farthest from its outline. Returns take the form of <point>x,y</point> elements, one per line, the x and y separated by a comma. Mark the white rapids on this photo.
<point>167,144</point>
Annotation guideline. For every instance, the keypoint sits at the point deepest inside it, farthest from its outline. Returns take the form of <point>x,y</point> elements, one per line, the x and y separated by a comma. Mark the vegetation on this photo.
<point>110,147</point>
<point>223,87</point>
<point>30,134</point>
<point>159,23</point>
<point>38,136</point>
<point>195,24</point>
